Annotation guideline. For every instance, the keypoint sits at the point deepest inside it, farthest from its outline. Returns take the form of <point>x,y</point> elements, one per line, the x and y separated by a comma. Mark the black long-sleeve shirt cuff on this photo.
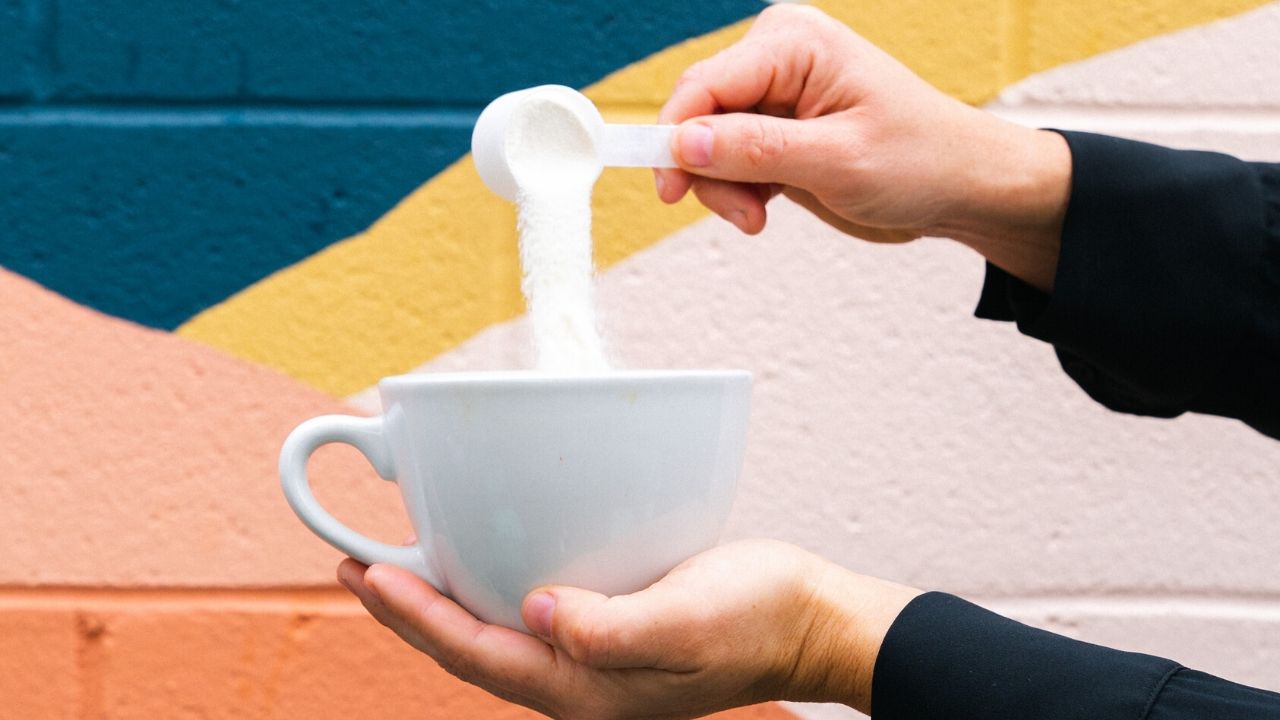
<point>947,659</point>
<point>1166,297</point>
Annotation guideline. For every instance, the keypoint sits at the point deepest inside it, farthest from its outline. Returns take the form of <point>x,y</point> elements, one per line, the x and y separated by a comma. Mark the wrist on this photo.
<point>847,617</point>
<point>1014,189</point>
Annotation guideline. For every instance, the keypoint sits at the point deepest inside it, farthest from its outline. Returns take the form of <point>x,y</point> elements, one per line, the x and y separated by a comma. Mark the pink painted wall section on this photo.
<point>893,432</point>
<point>899,436</point>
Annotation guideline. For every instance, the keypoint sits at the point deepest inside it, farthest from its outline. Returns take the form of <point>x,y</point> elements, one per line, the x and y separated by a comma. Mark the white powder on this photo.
<point>554,162</point>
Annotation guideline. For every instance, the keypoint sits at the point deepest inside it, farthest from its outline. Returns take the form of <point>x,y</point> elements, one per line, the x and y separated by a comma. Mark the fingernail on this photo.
<point>739,218</point>
<point>343,582</point>
<point>695,144</point>
<point>370,587</point>
<point>411,540</point>
<point>541,606</point>
<point>661,182</point>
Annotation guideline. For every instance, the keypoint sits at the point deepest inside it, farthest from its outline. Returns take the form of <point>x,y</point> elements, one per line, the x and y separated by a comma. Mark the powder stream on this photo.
<point>555,165</point>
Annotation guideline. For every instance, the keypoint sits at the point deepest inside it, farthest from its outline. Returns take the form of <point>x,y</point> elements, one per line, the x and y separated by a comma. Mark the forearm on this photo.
<point>846,620</point>
<point>945,658</point>
<point>1013,186</point>
<point>875,645</point>
<point>1163,294</point>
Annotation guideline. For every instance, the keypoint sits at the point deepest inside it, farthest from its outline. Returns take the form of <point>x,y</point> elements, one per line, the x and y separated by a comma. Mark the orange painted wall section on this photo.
<point>144,462</point>
<point>134,458</point>
<point>269,655</point>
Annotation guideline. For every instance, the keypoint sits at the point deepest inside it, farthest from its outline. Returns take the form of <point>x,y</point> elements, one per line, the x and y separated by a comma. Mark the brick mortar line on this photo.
<point>231,115</point>
<point>324,601</point>
<point>1258,120</point>
<point>1208,607</point>
<point>1015,102</point>
<point>166,105</point>
<point>336,601</point>
<point>217,116</point>
<point>354,113</point>
<point>1120,107</point>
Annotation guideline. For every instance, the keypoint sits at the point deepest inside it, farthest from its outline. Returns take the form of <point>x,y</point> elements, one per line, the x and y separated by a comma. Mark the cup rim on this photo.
<point>539,378</point>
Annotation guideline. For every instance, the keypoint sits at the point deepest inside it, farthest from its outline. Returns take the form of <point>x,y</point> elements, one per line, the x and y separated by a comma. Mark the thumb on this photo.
<point>748,147</point>
<point>604,632</point>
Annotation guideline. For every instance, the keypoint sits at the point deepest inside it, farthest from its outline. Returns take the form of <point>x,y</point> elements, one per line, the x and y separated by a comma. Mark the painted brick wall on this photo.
<point>157,158</point>
<point>199,146</point>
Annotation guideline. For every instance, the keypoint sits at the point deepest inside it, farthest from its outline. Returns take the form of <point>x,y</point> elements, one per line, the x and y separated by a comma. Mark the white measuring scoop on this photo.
<point>616,145</point>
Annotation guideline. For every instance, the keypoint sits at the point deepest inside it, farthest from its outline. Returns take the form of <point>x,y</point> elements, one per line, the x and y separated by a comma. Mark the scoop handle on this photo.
<point>637,146</point>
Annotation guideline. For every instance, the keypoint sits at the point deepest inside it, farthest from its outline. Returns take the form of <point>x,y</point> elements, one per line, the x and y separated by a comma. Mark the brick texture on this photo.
<point>1051,33</point>
<point>213,662</point>
<point>1220,66</point>
<point>178,151</point>
<point>13,48</point>
<point>368,50</point>
<point>40,661</point>
<point>1236,638</point>
<point>164,655</point>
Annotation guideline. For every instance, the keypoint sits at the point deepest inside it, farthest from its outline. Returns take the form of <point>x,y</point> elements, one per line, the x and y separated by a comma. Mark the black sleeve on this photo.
<point>1167,293</point>
<point>947,659</point>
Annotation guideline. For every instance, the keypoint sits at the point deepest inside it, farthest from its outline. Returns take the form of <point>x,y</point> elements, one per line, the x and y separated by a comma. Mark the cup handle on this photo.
<point>366,435</point>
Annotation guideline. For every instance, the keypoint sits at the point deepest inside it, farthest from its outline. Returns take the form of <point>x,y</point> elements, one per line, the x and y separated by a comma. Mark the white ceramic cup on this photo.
<point>517,479</point>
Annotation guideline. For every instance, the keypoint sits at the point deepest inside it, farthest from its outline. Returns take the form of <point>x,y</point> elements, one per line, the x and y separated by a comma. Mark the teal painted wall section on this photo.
<point>12,43</point>
<point>390,51</point>
<point>157,157</point>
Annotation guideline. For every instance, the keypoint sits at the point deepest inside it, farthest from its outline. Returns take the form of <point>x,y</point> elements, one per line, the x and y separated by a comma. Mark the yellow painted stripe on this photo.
<point>1061,32</point>
<point>442,265</point>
